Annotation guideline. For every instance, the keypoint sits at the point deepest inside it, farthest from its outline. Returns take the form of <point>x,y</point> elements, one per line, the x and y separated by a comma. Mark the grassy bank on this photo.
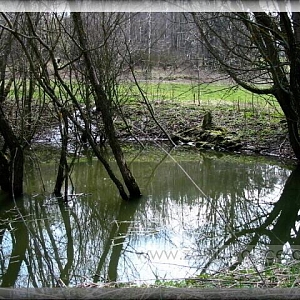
<point>260,127</point>
<point>256,120</point>
<point>275,276</point>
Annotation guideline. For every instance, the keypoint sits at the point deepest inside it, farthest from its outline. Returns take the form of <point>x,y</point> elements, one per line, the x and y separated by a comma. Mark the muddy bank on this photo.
<point>228,129</point>
<point>232,130</point>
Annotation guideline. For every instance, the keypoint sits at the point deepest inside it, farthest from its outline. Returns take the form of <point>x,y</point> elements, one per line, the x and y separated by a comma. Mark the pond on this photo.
<point>200,212</point>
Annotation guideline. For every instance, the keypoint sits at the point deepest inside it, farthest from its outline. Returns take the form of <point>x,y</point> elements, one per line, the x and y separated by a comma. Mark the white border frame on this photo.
<point>149,5</point>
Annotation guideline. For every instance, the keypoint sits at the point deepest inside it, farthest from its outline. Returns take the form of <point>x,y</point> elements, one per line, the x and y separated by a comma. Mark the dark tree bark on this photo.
<point>63,168</point>
<point>103,103</point>
<point>12,163</point>
<point>4,173</point>
<point>11,156</point>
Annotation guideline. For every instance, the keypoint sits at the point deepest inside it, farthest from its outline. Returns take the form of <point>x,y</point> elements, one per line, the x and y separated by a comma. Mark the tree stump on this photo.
<point>207,121</point>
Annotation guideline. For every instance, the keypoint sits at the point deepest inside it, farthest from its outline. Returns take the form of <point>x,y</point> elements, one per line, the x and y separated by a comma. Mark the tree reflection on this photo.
<point>279,226</point>
<point>98,237</point>
<point>13,229</point>
<point>287,208</point>
<point>116,240</point>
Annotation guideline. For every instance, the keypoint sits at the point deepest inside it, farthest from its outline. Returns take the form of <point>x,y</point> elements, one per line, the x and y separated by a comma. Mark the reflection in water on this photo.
<point>174,231</point>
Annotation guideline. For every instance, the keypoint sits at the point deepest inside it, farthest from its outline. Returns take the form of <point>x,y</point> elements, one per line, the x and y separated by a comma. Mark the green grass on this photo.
<point>187,92</point>
<point>277,275</point>
<point>212,94</point>
<point>199,94</point>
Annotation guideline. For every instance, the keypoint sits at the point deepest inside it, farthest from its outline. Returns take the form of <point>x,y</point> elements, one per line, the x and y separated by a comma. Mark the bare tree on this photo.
<point>104,103</point>
<point>46,40</point>
<point>17,124</point>
<point>260,51</point>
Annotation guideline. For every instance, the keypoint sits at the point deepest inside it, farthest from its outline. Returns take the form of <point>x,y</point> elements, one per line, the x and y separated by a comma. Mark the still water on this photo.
<point>199,212</point>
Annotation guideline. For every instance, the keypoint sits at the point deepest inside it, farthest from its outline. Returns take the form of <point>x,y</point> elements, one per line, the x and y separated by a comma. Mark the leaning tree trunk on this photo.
<point>103,103</point>
<point>128,178</point>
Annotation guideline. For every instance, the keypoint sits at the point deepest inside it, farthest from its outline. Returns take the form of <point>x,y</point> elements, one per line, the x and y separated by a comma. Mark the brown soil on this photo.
<point>258,132</point>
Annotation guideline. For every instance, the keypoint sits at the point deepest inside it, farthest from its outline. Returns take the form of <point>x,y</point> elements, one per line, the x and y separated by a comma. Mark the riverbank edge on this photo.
<point>229,131</point>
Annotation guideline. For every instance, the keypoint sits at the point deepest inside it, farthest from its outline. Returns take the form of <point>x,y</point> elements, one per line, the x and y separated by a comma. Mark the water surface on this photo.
<point>198,213</point>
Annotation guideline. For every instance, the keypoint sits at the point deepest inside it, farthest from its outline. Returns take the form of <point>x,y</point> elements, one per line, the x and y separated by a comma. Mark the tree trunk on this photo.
<point>285,100</point>
<point>294,138</point>
<point>17,171</point>
<point>128,178</point>
<point>4,173</point>
<point>104,105</point>
<point>11,173</point>
<point>11,166</point>
<point>62,173</point>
